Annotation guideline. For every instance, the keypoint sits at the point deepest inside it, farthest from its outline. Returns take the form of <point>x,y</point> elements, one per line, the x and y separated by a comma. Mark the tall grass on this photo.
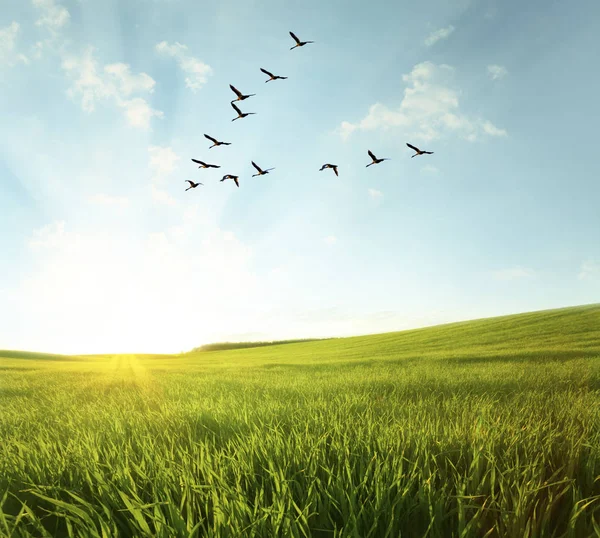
<point>487,428</point>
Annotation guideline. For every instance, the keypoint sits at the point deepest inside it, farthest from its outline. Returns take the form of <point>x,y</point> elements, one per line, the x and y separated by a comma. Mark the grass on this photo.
<point>485,428</point>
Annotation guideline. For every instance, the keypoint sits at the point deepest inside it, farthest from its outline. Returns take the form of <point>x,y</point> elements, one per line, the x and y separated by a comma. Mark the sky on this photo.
<point>103,103</point>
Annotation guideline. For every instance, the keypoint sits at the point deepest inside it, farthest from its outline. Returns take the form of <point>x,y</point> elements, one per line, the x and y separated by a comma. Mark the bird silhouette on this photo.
<point>419,152</point>
<point>298,42</point>
<point>273,77</point>
<point>216,142</point>
<point>333,166</point>
<point>261,172</point>
<point>240,95</point>
<point>229,176</point>
<point>375,159</point>
<point>205,165</point>
<point>240,113</point>
<point>192,185</point>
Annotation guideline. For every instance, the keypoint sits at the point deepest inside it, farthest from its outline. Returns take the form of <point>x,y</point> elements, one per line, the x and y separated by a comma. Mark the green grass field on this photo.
<point>483,428</point>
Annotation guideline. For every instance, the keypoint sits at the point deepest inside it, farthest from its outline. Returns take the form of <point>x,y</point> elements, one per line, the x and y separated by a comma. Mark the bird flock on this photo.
<point>240,115</point>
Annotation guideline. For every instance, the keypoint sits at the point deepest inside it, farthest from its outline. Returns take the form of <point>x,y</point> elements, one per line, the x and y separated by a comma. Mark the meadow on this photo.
<point>488,428</point>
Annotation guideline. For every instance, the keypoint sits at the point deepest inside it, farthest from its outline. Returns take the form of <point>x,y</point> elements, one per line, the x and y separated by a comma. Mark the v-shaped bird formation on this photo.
<point>241,115</point>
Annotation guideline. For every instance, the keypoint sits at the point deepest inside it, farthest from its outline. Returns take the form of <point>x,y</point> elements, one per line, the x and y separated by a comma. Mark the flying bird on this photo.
<point>375,159</point>
<point>261,172</point>
<point>192,185</point>
<point>298,42</point>
<point>240,113</point>
<point>419,152</point>
<point>240,95</point>
<point>334,166</point>
<point>273,77</point>
<point>216,142</point>
<point>205,165</point>
<point>235,178</point>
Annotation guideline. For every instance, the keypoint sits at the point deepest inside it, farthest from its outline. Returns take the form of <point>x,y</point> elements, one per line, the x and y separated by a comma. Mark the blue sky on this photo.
<point>103,103</point>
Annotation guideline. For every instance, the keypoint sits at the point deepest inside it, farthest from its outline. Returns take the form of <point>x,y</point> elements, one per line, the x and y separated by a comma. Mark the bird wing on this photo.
<point>211,139</point>
<point>371,155</point>
<point>295,38</point>
<point>335,170</point>
<point>236,181</point>
<point>190,182</point>
<point>236,91</point>
<point>236,108</point>
<point>199,162</point>
<point>413,147</point>
<point>256,166</point>
<point>266,72</point>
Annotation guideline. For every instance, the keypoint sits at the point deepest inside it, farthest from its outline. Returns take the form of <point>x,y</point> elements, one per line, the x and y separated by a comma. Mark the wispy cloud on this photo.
<point>162,163</point>
<point>437,35</point>
<point>374,194</point>
<point>52,15</point>
<point>590,270</point>
<point>53,18</point>
<point>196,71</point>
<point>497,72</point>
<point>513,273</point>
<point>330,240</point>
<point>490,129</point>
<point>429,110</point>
<point>8,47</point>
<point>113,83</point>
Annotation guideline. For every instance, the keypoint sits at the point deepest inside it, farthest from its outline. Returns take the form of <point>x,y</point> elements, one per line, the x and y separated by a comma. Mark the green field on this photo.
<point>483,428</point>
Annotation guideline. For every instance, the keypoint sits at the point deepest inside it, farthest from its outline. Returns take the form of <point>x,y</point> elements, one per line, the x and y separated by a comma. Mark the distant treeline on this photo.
<point>221,346</point>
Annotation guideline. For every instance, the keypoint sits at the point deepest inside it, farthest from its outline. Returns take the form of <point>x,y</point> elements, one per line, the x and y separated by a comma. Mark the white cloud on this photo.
<point>492,130</point>
<point>196,71</point>
<point>107,200</point>
<point>52,15</point>
<point>330,239</point>
<point>497,71</point>
<point>437,35</point>
<point>139,113</point>
<point>115,83</point>
<point>375,194</point>
<point>513,273</point>
<point>346,129</point>
<point>8,52</point>
<point>429,169</point>
<point>429,110</point>
<point>127,82</point>
<point>590,270</point>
